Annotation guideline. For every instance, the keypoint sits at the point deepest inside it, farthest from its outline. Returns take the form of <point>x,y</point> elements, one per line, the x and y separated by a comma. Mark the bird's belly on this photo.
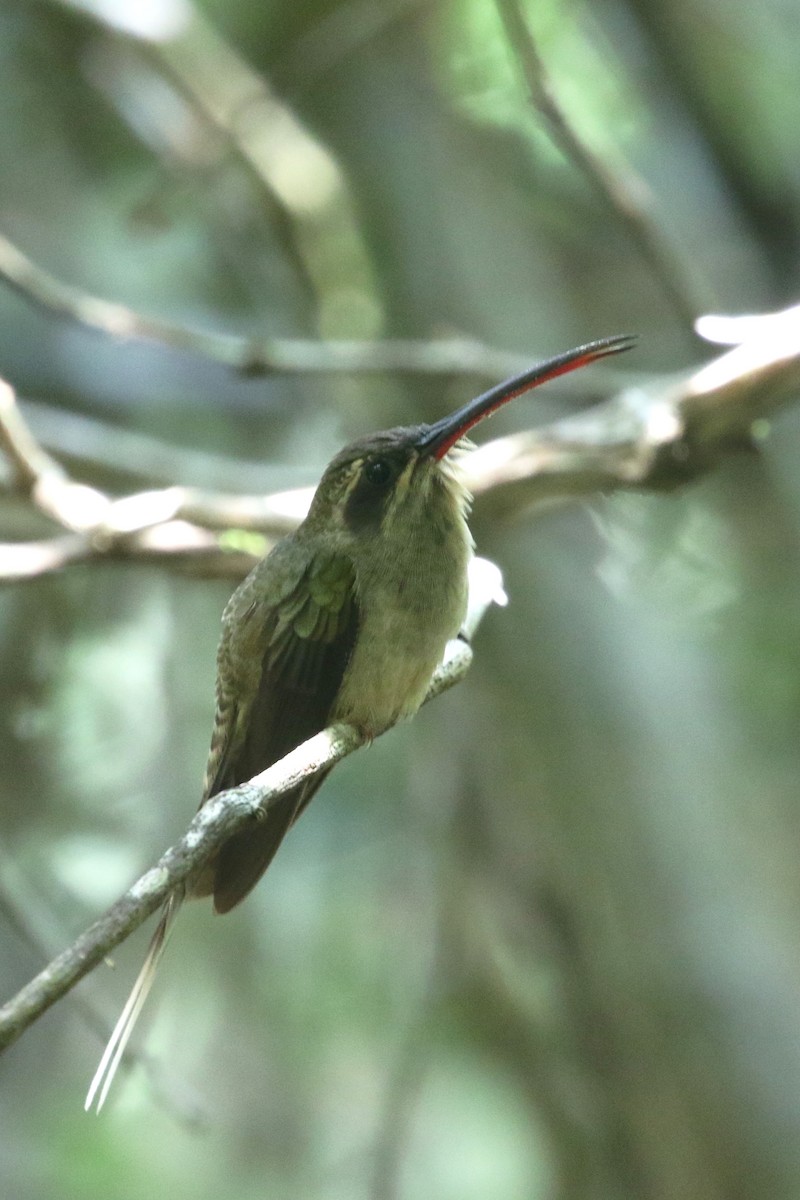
<point>395,656</point>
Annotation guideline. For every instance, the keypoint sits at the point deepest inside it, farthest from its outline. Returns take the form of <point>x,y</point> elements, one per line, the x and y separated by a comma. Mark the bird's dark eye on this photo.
<point>378,472</point>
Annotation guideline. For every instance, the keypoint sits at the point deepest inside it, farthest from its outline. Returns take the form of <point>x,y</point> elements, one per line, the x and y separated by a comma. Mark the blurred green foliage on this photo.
<point>542,942</point>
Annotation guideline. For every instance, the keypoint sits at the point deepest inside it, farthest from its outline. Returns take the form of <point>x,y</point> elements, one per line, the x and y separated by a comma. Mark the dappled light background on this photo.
<point>544,941</point>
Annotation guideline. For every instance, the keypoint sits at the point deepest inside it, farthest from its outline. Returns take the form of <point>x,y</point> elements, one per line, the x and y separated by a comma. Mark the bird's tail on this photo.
<point>112,1055</point>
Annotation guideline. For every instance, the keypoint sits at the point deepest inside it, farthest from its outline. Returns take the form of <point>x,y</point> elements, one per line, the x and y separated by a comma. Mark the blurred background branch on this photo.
<point>644,438</point>
<point>543,941</point>
<point>627,195</point>
<point>258,356</point>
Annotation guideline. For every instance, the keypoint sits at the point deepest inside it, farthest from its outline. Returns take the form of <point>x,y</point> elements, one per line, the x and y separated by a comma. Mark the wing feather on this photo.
<point>280,669</point>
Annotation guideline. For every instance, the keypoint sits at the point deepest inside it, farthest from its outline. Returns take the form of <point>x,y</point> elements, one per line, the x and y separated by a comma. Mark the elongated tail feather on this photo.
<point>112,1055</point>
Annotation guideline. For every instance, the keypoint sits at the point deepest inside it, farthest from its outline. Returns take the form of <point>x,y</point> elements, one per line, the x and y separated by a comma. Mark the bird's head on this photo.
<point>385,480</point>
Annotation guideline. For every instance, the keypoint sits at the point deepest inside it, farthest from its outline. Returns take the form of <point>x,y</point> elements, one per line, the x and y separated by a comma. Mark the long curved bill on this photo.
<point>440,437</point>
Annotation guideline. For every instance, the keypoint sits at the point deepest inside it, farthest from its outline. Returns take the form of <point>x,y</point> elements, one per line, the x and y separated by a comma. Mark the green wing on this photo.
<point>288,634</point>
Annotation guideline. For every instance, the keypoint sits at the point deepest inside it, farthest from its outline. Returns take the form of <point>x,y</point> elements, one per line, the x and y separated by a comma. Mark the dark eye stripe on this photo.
<point>368,500</point>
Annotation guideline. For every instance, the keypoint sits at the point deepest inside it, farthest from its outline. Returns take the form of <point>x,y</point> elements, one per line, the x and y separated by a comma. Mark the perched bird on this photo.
<point>345,620</point>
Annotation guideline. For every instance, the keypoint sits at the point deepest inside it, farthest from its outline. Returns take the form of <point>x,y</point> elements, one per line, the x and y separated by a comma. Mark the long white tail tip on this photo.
<point>112,1055</point>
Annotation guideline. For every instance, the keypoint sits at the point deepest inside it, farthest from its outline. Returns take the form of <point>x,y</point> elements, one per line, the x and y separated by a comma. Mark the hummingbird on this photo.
<point>345,620</point>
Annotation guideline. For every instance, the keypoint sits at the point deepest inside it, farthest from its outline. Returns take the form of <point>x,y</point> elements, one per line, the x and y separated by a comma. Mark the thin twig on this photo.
<point>625,191</point>
<point>28,461</point>
<point>176,545</point>
<point>643,438</point>
<point>140,458</point>
<point>174,523</point>
<point>16,911</point>
<point>448,357</point>
<point>215,822</point>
